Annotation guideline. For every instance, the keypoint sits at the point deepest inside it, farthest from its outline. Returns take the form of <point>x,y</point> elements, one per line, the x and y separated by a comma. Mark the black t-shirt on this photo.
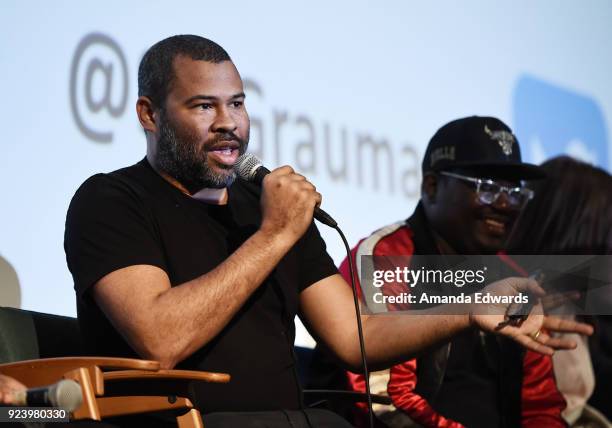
<point>133,216</point>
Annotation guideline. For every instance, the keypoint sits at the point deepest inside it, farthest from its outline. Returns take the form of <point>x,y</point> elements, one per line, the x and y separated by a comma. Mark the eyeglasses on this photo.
<point>488,190</point>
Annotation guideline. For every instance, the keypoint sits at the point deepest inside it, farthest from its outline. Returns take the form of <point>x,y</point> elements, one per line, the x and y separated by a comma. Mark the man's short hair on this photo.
<point>156,73</point>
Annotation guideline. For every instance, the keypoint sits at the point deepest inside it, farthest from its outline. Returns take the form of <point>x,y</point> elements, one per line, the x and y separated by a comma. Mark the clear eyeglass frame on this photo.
<point>488,190</point>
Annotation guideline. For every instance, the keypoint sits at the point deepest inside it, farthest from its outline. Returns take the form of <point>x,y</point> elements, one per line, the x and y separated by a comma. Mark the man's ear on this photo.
<point>429,187</point>
<point>147,114</point>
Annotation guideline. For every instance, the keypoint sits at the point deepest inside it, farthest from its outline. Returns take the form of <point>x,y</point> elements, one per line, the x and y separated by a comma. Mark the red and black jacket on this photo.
<point>518,389</point>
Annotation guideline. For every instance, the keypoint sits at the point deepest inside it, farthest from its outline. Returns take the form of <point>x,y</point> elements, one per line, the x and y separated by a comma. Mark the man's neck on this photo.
<point>209,196</point>
<point>442,244</point>
<point>212,196</point>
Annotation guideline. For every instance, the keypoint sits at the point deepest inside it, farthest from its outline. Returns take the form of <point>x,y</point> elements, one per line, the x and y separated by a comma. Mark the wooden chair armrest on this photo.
<point>44,371</point>
<point>122,406</point>
<point>68,363</point>
<point>162,382</point>
<point>123,375</point>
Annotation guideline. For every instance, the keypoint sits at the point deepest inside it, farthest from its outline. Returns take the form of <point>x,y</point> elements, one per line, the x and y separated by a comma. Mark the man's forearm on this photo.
<point>391,339</point>
<point>328,310</point>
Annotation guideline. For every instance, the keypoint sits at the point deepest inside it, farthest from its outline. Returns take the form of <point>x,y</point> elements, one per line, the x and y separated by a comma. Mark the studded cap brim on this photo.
<point>508,170</point>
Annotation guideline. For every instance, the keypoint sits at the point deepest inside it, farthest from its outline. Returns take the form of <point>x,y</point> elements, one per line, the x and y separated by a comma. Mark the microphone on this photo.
<point>250,168</point>
<point>66,394</point>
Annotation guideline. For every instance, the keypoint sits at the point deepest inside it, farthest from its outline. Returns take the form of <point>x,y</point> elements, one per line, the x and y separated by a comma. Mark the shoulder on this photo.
<point>106,192</point>
<point>393,239</point>
<point>129,180</point>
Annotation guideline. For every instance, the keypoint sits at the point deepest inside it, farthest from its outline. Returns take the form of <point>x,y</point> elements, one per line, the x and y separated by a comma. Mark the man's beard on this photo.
<point>180,156</point>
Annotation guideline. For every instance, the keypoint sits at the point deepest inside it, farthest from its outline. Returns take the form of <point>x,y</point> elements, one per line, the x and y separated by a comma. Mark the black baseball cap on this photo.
<point>483,145</point>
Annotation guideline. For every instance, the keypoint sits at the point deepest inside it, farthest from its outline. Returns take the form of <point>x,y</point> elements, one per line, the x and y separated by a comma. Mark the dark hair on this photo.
<point>571,212</point>
<point>156,71</point>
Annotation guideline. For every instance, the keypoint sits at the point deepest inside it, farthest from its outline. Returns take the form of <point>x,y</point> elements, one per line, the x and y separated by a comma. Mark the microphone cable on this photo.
<point>366,372</point>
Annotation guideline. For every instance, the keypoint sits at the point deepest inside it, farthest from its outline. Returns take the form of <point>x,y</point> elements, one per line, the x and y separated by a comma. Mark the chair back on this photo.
<point>28,335</point>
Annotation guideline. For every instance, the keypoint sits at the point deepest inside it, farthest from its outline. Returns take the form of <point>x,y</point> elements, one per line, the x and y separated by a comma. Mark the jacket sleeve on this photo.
<point>401,387</point>
<point>542,403</point>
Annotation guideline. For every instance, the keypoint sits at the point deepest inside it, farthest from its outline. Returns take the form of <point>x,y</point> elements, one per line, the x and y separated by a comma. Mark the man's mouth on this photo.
<point>225,154</point>
<point>496,226</point>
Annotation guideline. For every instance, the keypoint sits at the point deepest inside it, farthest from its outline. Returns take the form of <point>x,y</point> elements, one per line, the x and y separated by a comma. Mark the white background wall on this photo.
<point>391,70</point>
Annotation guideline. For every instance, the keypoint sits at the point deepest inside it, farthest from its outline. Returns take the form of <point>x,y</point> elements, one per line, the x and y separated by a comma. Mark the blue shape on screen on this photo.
<point>550,120</point>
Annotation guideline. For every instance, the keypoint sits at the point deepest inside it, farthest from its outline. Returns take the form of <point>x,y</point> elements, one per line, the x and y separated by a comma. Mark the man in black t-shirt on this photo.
<point>176,260</point>
<point>135,218</point>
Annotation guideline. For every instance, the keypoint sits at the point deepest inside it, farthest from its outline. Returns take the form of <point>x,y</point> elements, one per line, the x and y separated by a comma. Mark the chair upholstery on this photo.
<point>28,335</point>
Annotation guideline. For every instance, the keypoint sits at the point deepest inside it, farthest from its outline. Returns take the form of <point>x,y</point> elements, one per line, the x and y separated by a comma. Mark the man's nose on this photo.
<point>503,202</point>
<point>224,121</point>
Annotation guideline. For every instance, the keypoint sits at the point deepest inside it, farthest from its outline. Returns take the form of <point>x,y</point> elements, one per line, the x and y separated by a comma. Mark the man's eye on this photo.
<point>205,106</point>
<point>486,187</point>
<point>516,192</point>
<point>238,104</point>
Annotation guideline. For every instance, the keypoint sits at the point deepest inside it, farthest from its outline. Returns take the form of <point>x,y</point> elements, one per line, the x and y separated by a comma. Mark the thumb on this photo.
<point>527,285</point>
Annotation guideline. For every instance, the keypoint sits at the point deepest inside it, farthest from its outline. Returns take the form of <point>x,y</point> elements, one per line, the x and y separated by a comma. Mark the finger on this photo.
<point>527,327</point>
<point>283,170</point>
<point>534,322</point>
<point>6,397</point>
<point>531,286</point>
<point>307,185</point>
<point>533,345</point>
<point>556,342</point>
<point>568,326</point>
<point>297,177</point>
<point>8,383</point>
<point>309,195</point>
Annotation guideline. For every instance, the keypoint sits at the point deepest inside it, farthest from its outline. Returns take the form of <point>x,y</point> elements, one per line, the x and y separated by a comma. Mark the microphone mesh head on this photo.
<point>246,165</point>
<point>66,394</point>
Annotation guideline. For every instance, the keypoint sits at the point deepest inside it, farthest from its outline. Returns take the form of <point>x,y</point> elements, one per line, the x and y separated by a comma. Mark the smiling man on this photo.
<point>175,259</point>
<point>467,157</point>
<point>472,193</point>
